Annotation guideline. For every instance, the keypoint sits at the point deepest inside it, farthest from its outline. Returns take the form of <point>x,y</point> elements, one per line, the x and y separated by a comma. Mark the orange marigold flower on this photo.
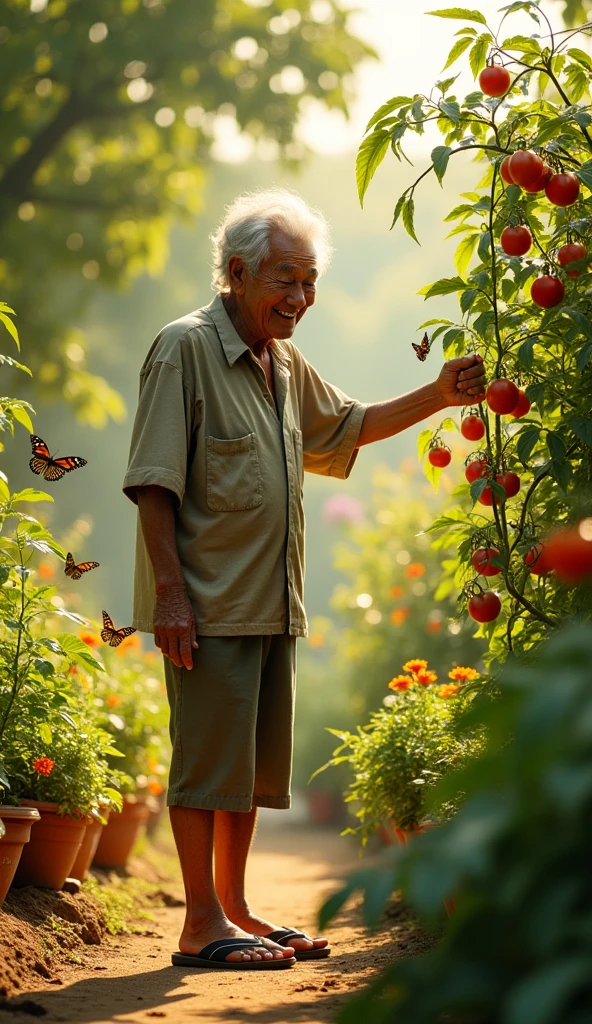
<point>397,592</point>
<point>399,615</point>
<point>415,665</point>
<point>89,638</point>
<point>43,765</point>
<point>449,690</point>
<point>463,675</point>
<point>400,683</point>
<point>434,626</point>
<point>112,700</point>
<point>155,787</point>
<point>46,570</point>
<point>414,570</point>
<point>129,643</point>
<point>316,640</point>
<point>424,677</point>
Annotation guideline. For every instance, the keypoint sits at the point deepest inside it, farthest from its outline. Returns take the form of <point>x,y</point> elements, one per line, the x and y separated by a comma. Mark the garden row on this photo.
<point>83,726</point>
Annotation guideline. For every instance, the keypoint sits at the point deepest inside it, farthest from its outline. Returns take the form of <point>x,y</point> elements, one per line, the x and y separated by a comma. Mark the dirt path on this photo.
<point>131,979</point>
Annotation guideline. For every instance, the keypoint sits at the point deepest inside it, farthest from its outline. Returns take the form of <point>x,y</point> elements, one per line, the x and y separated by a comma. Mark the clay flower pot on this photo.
<point>119,835</point>
<point>48,858</point>
<point>88,848</point>
<point>16,822</point>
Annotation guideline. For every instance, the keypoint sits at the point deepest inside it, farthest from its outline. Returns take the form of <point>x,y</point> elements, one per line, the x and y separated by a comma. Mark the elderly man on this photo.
<point>230,415</point>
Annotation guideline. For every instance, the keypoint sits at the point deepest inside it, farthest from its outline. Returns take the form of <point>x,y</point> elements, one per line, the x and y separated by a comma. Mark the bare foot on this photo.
<point>194,937</point>
<point>259,926</point>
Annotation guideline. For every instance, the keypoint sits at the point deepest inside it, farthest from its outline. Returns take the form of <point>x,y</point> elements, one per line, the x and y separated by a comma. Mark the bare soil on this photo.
<point>130,978</point>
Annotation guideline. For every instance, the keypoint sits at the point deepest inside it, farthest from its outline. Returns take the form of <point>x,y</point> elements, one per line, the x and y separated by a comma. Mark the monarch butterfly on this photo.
<point>113,636</point>
<point>422,351</point>
<point>51,469</point>
<point>75,571</point>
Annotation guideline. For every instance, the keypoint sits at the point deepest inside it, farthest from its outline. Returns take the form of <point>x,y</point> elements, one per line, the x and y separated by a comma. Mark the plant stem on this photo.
<point>15,669</point>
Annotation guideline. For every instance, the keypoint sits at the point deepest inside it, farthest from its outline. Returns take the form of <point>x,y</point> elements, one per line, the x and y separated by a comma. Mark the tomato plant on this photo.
<point>533,156</point>
<point>482,559</point>
<point>516,241</point>
<point>484,606</point>
<point>472,427</point>
<point>495,80</point>
<point>569,253</point>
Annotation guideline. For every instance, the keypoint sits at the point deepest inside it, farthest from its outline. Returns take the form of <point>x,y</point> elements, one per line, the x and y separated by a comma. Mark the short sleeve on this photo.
<point>161,435</point>
<point>330,424</point>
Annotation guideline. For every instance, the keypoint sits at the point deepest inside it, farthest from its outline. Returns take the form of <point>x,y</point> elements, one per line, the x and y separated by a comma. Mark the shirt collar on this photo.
<point>233,345</point>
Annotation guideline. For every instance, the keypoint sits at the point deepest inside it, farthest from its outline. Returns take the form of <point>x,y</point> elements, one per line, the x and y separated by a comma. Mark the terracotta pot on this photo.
<point>88,847</point>
<point>48,858</point>
<point>119,835</point>
<point>17,822</point>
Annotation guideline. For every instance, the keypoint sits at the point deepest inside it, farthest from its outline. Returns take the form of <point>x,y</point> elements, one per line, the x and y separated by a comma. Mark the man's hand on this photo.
<point>174,625</point>
<point>462,381</point>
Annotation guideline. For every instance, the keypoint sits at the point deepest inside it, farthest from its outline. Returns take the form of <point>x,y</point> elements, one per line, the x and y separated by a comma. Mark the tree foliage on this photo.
<point>548,352</point>
<point>110,109</point>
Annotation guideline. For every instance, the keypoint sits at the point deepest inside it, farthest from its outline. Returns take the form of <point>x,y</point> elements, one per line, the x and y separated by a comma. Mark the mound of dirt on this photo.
<point>36,927</point>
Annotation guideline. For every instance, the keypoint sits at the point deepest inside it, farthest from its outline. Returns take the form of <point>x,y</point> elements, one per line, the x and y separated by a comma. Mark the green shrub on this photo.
<point>516,859</point>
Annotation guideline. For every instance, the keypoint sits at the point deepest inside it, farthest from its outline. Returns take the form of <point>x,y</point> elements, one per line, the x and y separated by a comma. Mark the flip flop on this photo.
<point>283,935</point>
<point>213,955</point>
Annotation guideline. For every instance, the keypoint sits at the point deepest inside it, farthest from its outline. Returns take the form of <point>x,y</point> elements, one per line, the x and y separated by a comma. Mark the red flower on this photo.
<point>43,765</point>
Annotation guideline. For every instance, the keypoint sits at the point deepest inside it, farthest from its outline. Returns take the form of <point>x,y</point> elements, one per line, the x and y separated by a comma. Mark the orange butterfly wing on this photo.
<point>75,571</point>
<point>51,469</point>
<point>113,636</point>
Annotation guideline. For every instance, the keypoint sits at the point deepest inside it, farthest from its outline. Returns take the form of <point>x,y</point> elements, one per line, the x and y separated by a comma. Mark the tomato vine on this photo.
<point>529,315</point>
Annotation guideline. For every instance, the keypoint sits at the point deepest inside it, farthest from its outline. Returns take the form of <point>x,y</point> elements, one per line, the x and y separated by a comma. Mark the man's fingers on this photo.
<point>185,652</point>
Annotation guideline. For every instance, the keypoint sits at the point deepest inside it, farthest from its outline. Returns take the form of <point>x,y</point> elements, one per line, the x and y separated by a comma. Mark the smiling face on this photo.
<point>270,304</point>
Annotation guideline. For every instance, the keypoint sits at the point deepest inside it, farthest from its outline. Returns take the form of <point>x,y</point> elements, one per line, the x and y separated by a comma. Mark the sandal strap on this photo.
<point>283,934</point>
<point>220,948</point>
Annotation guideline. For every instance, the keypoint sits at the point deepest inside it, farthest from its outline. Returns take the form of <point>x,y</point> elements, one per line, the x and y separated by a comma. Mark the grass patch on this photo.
<point>125,902</point>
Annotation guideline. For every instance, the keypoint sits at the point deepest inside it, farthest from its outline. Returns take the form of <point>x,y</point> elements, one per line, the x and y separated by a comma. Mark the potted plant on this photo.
<point>405,748</point>
<point>130,697</point>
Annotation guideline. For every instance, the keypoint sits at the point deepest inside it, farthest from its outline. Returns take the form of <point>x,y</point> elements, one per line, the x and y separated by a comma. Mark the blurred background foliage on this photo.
<point>110,111</point>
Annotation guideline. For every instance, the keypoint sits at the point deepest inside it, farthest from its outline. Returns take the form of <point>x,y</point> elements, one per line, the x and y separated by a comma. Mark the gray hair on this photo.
<point>248,221</point>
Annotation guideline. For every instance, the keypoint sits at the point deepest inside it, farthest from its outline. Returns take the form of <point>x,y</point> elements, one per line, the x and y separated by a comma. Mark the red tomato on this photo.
<point>486,496</point>
<point>516,241</point>
<point>439,456</point>
<point>569,552</point>
<point>547,291</point>
<point>485,606</point>
<point>525,167</point>
<point>476,469</point>
<point>523,406</point>
<point>562,189</point>
<point>482,561</point>
<point>510,483</point>
<point>472,427</point>
<point>502,396</point>
<point>539,184</point>
<point>569,253</point>
<point>505,170</point>
<point>494,80</point>
<point>537,559</point>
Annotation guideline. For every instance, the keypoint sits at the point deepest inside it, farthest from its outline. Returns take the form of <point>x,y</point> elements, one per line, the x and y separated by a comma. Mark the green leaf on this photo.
<point>467,298</point>
<point>22,416</point>
<point>583,356</point>
<point>585,174</point>
<point>433,474</point>
<point>581,56</point>
<point>556,445</point>
<point>45,733</point>
<point>449,424</point>
<point>521,43</point>
<point>10,328</point>
<point>387,108</point>
<point>459,48</point>
<point>459,14</point>
<point>526,353</point>
<point>478,53</point>
<point>30,494</point>
<point>477,488</point>
<point>582,428</point>
<point>581,321</point>
<point>440,158</point>
<point>464,252</point>
<point>527,441</point>
<point>407,216</point>
<point>423,443</point>
<point>370,156</point>
<point>78,651</point>
<point>398,208</point>
<point>451,110</point>
<point>445,286</point>
<point>484,247</point>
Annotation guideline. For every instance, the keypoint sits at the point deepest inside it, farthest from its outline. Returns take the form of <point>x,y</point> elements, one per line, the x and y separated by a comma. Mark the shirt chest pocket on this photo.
<point>233,474</point>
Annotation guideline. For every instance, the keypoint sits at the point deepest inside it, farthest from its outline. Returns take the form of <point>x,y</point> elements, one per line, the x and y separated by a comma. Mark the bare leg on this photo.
<point>233,835</point>
<point>205,919</point>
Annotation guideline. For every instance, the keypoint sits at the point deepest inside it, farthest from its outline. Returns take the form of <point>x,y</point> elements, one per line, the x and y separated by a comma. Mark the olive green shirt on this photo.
<point>208,430</point>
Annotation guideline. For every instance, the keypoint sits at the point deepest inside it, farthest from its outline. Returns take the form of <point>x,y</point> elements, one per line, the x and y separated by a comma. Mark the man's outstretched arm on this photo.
<point>174,621</point>
<point>460,382</point>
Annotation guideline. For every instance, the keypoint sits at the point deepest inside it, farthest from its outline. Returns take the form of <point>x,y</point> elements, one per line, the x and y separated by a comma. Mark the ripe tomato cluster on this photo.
<point>528,170</point>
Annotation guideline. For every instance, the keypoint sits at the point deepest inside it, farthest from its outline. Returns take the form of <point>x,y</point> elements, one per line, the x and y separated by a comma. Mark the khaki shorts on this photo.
<point>231,723</point>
